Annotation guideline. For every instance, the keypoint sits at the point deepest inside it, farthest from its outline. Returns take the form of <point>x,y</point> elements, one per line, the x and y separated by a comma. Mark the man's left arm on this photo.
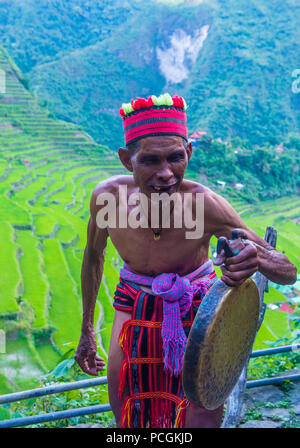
<point>255,253</point>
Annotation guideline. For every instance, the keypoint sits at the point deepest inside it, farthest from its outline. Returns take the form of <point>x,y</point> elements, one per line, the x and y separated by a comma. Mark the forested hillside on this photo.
<point>249,172</point>
<point>232,60</point>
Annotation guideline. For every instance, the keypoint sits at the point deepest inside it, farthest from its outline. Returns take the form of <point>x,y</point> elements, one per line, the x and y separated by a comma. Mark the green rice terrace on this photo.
<point>48,169</point>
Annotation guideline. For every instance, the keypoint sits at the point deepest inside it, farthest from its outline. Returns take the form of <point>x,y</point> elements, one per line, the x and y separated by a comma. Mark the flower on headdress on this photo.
<point>165,99</point>
<point>150,101</point>
<point>140,103</point>
<point>126,108</point>
<point>178,101</point>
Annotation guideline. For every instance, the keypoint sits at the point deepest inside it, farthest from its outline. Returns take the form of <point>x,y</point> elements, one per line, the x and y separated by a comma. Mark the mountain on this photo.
<point>232,60</point>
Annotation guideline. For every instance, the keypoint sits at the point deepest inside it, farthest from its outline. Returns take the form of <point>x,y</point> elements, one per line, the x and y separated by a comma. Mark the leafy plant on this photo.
<point>66,370</point>
<point>272,365</point>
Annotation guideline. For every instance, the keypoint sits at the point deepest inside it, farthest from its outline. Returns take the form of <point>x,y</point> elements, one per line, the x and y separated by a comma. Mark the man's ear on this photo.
<point>124,156</point>
<point>189,149</point>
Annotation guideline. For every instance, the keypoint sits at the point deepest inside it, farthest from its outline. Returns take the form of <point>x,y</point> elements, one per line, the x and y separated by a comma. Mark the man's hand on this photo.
<point>238,268</point>
<point>86,354</point>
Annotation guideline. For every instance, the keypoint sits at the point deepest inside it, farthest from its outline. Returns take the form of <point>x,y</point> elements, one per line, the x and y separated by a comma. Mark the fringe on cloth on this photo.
<point>159,402</point>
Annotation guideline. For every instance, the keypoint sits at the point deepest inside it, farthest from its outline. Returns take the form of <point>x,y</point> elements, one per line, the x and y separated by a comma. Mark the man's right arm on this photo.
<point>91,275</point>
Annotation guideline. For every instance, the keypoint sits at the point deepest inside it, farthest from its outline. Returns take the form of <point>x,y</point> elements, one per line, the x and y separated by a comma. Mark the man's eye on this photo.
<point>149,160</point>
<point>176,157</point>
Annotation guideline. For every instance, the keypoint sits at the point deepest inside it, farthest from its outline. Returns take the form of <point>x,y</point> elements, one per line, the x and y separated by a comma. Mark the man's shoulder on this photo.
<point>112,184</point>
<point>210,196</point>
<point>215,205</point>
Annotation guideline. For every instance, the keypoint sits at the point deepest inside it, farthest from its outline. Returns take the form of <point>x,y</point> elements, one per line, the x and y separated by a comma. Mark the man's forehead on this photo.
<point>160,144</point>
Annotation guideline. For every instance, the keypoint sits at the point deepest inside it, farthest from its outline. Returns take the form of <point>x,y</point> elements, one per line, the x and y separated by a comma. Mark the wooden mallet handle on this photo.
<point>233,246</point>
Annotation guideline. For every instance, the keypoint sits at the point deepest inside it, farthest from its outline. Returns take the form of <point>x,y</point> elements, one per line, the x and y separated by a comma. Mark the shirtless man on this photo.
<point>160,161</point>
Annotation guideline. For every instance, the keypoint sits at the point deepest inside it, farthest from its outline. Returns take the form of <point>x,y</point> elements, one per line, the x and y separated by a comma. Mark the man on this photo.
<point>145,357</point>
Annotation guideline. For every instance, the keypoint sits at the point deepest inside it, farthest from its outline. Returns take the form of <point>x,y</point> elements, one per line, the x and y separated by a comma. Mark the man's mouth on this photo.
<point>164,188</point>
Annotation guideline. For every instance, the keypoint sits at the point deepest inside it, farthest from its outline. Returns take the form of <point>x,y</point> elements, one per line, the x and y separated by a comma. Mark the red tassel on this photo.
<point>181,412</point>
<point>123,337</point>
<point>126,413</point>
<point>123,372</point>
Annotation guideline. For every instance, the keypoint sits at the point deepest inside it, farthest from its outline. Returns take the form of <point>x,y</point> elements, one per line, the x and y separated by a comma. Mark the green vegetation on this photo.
<point>35,284</point>
<point>262,172</point>
<point>66,371</point>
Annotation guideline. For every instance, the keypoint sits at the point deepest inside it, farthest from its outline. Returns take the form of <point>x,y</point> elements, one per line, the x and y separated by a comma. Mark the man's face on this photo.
<point>160,163</point>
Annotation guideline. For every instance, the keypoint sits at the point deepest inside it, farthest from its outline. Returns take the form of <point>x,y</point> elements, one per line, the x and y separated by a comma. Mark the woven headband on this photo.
<point>156,116</point>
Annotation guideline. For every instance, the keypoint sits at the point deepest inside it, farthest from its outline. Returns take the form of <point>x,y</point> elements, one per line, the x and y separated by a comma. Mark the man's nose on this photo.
<point>164,173</point>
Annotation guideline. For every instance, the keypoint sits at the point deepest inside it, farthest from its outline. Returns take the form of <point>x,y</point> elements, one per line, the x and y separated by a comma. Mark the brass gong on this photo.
<point>220,342</point>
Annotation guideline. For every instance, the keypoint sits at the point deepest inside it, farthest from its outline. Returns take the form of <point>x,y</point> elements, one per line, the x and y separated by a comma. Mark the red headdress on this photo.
<point>156,116</point>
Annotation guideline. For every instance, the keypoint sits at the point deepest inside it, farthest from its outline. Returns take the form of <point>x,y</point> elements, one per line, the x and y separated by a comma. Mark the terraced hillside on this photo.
<point>48,169</point>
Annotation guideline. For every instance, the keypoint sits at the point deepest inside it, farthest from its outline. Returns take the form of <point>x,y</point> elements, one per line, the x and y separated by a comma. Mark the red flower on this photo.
<point>140,103</point>
<point>178,101</point>
<point>150,102</point>
<point>122,113</point>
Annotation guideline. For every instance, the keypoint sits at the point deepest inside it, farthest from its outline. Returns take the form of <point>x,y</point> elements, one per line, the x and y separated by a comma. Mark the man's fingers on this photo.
<point>100,363</point>
<point>244,265</point>
<point>230,282</point>
<point>99,368</point>
<point>82,364</point>
<point>249,251</point>
<point>92,362</point>
<point>88,363</point>
<point>236,278</point>
<point>238,275</point>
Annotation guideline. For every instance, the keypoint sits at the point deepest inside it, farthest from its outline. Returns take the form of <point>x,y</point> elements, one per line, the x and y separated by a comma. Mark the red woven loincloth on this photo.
<point>156,398</point>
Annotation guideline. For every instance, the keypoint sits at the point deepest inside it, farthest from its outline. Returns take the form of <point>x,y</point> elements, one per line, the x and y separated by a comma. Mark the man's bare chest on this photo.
<point>171,253</point>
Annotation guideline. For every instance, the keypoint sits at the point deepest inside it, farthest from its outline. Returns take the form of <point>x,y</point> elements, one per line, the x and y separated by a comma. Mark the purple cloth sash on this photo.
<point>177,294</point>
